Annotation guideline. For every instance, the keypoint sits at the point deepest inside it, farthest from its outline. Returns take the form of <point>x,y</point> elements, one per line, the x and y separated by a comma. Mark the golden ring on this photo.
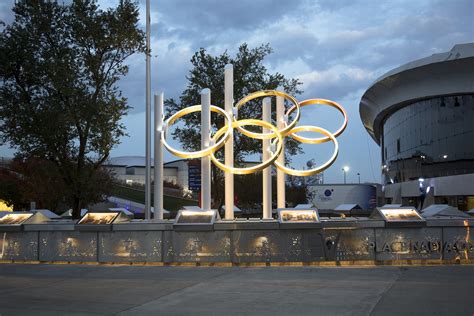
<point>320,139</point>
<point>263,164</point>
<point>203,152</point>
<point>269,93</point>
<point>310,172</point>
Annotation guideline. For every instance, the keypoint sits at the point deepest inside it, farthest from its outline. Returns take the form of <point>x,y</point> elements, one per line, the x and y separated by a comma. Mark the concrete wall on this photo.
<point>264,242</point>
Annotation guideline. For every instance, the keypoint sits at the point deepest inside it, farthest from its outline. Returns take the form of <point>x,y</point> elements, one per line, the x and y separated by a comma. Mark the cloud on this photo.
<point>336,82</point>
<point>336,48</point>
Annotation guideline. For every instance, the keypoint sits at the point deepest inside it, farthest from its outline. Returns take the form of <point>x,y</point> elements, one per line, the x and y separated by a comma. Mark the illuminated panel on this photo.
<point>298,216</point>
<point>400,214</point>
<point>14,219</point>
<point>98,218</point>
<point>195,217</point>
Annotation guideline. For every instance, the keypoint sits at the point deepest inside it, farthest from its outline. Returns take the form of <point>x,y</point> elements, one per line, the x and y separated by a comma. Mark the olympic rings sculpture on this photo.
<point>276,135</point>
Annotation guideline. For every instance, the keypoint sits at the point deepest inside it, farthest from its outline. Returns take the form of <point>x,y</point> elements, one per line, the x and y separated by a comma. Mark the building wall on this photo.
<point>175,172</point>
<point>456,190</point>
<point>329,196</point>
<point>422,114</point>
<point>181,167</point>
<point>429,138</point>
<point>116,170</point>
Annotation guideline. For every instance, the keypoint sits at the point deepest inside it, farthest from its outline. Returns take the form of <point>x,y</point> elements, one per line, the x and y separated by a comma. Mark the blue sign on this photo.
<point>194,175</point>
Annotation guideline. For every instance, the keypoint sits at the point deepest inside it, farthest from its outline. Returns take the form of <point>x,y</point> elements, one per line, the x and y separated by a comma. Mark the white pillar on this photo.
<point>148,119</point>
<point>280,117</point>
<point>158,166</point>
<point>267,172</point>
<point>205,140</point>
<point>229,145</point>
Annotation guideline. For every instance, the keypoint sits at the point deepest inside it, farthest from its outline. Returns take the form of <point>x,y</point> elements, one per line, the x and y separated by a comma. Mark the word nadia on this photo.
<point>424,246</point>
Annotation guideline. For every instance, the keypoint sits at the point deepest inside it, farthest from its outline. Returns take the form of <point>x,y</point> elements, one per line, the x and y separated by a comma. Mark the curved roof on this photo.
<point>446,73</point>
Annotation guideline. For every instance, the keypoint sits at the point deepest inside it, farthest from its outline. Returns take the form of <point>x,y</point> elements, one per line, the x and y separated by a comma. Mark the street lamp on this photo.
<point>344,170</point>
<point>358,174</point>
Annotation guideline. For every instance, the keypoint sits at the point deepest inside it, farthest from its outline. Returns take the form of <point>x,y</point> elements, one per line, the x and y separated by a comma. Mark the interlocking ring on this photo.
<point>269,93</point>
<point>321,139</point>
<point>324,166</point>
<point>291,130</point>
<point>206,151</point>
<point>263,164</point>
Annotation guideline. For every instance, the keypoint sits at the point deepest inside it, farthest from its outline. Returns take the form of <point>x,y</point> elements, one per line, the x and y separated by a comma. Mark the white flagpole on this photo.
<point>148,119</point>
<point>229,145</point>
<point>158,163</point>
<point>267,172</point>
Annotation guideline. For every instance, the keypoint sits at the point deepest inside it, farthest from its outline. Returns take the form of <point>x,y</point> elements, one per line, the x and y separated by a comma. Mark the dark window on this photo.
<point>398,145</point>
<point>456,102</point>
<point>442,103</point>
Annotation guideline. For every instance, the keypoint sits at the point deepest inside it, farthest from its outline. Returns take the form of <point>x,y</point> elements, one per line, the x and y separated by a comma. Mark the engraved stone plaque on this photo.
<point>18,246</point>
<point>407,243</point>
<point>188,246</point>
<point>130,246</point>
<point>68,246</point>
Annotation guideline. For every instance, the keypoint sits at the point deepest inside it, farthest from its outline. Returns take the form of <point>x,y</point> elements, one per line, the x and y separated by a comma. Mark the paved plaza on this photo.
<point>140,290</point>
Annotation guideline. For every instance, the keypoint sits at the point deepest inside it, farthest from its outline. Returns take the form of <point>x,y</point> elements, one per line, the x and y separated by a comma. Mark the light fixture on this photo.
<point>345,168</point>
<point>445,156</point>
<point>428,190</point>
<point>420,181</point>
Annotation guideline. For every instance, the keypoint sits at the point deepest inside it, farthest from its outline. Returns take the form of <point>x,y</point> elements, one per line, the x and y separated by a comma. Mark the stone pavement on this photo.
<point>141,290</point>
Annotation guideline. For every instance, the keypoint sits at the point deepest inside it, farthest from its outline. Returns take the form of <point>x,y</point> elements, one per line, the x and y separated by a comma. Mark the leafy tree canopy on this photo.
<point>250,75</point>
<point>59,100</point>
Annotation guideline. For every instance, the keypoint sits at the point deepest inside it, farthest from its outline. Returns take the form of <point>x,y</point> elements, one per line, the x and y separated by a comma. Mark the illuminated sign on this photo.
<point>14,219</point>
<point>98,218</point>
<point>191,217</point>
<point>298,216</point>
<point>400,214</point>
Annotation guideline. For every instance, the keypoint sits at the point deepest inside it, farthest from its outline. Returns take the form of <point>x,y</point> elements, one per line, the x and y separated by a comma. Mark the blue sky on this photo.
<point>336,48</point>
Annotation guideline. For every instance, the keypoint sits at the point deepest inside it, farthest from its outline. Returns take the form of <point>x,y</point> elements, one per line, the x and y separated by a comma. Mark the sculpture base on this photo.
<point>331,243</point>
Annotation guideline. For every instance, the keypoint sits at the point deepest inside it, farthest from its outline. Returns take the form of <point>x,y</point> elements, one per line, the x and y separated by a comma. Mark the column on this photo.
<point>229,145</point>
<point>280,117</point>
<point>205,141</point>
<point>158,166</point>
<point>267,172</point>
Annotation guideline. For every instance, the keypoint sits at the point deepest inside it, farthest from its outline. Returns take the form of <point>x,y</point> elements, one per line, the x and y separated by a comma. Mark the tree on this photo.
<point>248,191</point>
<point>59,101</point>
<point>31,179</point>
<point>10,190</point>
<point>250,75</point>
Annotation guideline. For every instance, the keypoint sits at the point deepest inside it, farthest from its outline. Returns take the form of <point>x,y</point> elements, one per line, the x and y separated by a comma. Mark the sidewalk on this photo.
<point>139,290</point>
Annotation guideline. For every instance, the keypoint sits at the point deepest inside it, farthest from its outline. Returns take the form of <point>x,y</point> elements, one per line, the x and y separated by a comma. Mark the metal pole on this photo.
<point>148,118</point>
<point>344,171</point>
<point>280,117</point>
<point>205,140</point>
<point>158,167</point>
<point>229,145</point>
<point>358,174</point>
<point>267,172</point>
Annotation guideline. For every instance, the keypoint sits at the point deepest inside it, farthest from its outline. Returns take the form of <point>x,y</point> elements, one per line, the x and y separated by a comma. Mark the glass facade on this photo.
<point>429,138</point>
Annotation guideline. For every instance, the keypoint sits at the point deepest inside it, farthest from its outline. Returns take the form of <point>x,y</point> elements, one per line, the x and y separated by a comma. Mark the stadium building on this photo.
<point>421,115</point>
